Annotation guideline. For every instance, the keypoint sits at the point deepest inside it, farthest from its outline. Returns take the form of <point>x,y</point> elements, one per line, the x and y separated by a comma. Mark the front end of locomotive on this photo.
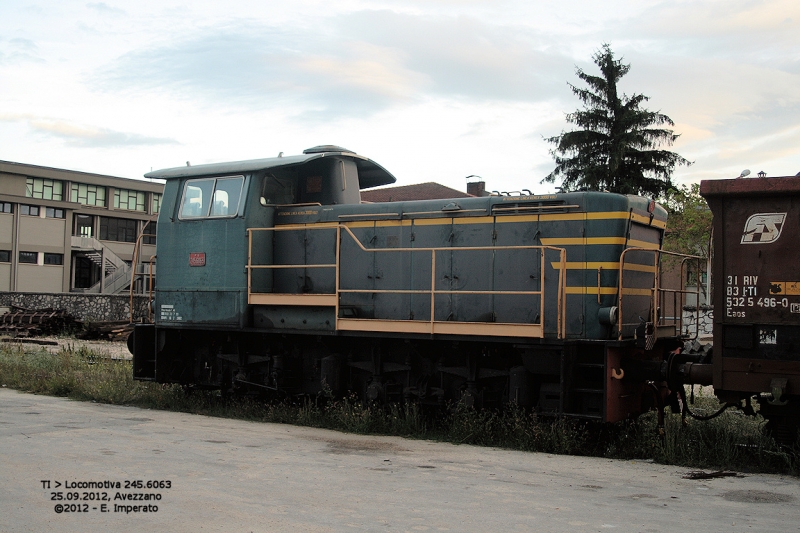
<point>202,331</point>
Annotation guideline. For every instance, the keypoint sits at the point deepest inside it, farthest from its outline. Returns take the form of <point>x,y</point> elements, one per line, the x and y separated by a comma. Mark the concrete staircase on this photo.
<point>116,273</point>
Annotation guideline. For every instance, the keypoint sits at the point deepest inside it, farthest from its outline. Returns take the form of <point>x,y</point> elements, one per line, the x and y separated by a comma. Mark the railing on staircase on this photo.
<point>115,271</point>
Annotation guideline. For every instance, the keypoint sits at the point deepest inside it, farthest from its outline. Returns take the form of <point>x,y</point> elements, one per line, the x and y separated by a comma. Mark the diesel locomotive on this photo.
<point>273,276</point>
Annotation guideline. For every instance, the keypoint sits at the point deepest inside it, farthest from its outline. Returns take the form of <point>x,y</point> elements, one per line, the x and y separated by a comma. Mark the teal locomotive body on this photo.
<point>273,276</point>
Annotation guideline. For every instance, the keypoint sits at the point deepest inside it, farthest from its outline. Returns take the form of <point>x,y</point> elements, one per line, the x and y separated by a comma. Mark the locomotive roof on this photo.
<point>370,173</point>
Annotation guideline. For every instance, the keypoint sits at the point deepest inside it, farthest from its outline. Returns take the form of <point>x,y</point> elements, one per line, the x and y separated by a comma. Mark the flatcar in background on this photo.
<point>273,276</point>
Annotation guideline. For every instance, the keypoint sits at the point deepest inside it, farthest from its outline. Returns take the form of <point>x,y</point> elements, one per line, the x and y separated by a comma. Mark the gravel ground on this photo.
<point>114,350</point>
<point>214,474</point>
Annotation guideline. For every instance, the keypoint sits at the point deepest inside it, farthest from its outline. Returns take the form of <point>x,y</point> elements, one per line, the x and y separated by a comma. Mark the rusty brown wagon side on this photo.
<point>756,277</point>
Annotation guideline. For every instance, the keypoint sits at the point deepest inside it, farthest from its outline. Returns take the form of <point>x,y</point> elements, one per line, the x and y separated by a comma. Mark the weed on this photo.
<point>730,441</point>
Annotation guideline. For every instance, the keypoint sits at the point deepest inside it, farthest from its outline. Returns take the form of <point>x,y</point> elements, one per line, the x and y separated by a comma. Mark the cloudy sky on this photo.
<point>433,90</point>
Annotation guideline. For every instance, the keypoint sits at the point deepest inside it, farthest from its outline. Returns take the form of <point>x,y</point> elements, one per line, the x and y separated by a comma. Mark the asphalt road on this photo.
<point>227,475</point>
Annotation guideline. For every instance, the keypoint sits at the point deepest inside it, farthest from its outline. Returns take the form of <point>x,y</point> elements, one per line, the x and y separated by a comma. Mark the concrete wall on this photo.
<point>5,276</point>
<point>6,243</point>
<point>45,278</point>
<point>6,230</point>
<point>147,251</point>
<point>37,234</point>
<point>123,249</point>
<point>12,184</point>
<point>86,307</point>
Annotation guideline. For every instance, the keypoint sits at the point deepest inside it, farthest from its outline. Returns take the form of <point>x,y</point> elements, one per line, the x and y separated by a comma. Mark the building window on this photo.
<point>84,225</point>
<point>117,229</point>
<point>5,207</point>
<point>149,233</point>
<point>44,189</point>
<point>5,256</point>
<point>156,202</point>
<point>53,259</point>
<point>127,199</point>
<point>29,257</point>
<point>53,212</point>
<point>94,195</point>
<point>30,210</point>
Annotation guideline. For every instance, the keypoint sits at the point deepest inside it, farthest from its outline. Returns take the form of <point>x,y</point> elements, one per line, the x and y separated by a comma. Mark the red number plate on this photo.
<point>197,259</point>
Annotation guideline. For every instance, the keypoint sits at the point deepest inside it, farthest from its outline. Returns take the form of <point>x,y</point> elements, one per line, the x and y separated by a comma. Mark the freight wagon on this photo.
<point>756,273</point>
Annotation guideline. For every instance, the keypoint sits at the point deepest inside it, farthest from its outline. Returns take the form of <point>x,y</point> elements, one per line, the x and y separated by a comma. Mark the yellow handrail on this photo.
<point>656,291</point>
<point>302,299</point>
<point>136,250</point>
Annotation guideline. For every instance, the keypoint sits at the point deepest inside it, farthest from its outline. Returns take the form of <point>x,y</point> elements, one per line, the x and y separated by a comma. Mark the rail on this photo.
<point>430,326</point>
<point>657,294</point>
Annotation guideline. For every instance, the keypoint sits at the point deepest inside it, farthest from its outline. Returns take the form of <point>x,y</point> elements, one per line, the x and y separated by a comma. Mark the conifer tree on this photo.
<point>617,144</point>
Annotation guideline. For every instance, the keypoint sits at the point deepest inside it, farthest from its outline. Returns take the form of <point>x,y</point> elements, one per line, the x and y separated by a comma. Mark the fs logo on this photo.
<point>763,228</point>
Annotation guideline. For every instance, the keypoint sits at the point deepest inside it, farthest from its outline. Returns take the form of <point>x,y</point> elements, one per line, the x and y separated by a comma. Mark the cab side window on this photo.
<point>278,190</point>
<point>211,197</point>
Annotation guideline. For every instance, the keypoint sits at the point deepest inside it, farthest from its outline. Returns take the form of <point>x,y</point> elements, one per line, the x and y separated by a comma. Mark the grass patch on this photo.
<point>730,441</point>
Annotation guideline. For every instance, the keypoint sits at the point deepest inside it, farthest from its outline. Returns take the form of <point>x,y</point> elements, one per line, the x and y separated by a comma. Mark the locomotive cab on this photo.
<point>202,250</point>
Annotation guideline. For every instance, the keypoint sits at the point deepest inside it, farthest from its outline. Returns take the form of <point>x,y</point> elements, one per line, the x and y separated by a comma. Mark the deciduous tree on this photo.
<point>689,221</point>
<point>688,231</point>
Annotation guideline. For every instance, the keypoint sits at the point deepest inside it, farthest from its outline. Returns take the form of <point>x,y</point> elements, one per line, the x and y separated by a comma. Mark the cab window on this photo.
<point>211,197</point>
<point>278,190</point>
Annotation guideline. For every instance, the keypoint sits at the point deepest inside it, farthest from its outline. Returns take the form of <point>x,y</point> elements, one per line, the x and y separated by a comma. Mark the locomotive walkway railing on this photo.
<point>631,303</point>
<point>428,326</point>
<point>147,278</point>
